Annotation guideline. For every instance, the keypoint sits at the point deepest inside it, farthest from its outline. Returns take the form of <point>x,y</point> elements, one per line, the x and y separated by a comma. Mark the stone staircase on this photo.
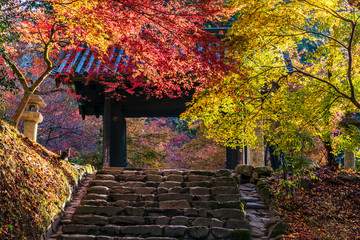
<point>123,203</point>
<point>256,211</point>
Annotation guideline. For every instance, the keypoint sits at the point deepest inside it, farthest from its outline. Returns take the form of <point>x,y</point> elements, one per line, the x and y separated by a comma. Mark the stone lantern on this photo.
<point>32,116</point>
<point>349,156</point>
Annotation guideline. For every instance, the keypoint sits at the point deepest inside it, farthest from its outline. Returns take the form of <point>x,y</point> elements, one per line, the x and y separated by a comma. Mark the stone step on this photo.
<point>145,231</point>
<point>250,199</point>
<point>254,205</point>
<point>162,204</point>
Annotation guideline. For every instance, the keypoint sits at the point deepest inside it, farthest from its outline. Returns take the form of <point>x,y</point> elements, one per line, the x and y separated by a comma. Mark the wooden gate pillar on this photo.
<point>233,157</point>
<point>114,135</point>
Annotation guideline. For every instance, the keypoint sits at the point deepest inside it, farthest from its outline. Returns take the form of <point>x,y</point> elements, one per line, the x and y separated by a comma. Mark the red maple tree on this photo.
<point>169,49</point>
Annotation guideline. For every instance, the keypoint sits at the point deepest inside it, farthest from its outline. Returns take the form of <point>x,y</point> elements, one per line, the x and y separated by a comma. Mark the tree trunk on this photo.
<point>20,109</point>
<point>331,161</point>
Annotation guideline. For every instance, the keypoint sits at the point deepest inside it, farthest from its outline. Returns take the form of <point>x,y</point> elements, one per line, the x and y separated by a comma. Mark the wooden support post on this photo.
<point>233,158</point>
<point>117,136</point>
<point>106,132</point>
<point>114,135</point>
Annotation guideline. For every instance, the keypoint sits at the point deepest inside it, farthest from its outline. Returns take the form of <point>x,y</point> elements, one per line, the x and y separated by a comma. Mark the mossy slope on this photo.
<point>34,184</point>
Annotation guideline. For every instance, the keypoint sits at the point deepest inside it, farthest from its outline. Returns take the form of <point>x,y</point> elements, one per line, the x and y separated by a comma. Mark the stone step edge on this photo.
<point>56,221</point>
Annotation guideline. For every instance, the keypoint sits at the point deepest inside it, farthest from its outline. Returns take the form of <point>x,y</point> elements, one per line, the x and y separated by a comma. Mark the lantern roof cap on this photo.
<point>36,99</point>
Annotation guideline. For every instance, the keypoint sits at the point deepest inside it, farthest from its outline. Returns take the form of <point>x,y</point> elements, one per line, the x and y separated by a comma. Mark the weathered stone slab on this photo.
<point>223,172</point>
<point>98,210</point>
<point>206,184</point>
<point>206,205</point>
<point>228,197</point>
<point>162,190</point>
<point>80,229</point>
<point>111,170</point>
<point>175,190</point>
<point>152,230</point>
<point>131,172</point>
<point>179,220</point>
<point>225,184</point>
<point>203,212</point>
<point>201,221</point>
<point>104,177</point>
<point>133,184</point>
<point>134,211</point>
<point>175,178</point>
<point>227,213</point>
<point>121,190</point>
<point>198,178</point>
<point>152,171</point>
<point>202,198</point>
<point>96,202</point>
<point>94,196</point>
<point>110,230</point>
<point>139,178</point>
<point>201,172</point>
<point>121,203</point>
<point>191,212</point>
<point>216,223</point>
<point>151,184</point>
<point>144,190</point>
<point>245,170</point>
<point>147,197</point>
<point>169,184</point>
<point>264,171</point>
<point>98,190</point>
<point>153,204</point>
<point>76,237</point>
<point>199,232</point>
<point>221,232</point>
<point>106,183</point>
<point>224,190</point>
<point>127,197</point>
<point>90,220</point>
<point>225,181</point>
<point>178,204</point>
<point>154,178</point>
<point>127,220</point>
<point>129,238</point>
<point>253,205</point>
<point>199,190</point>
<point>232,204</point>
<point>169,212</point>
<point>249,199</point>
<point>162,220</point>
<point>175,231</point>
<point>175,196</point>
<point>236,224</point>
<point>161,238</point>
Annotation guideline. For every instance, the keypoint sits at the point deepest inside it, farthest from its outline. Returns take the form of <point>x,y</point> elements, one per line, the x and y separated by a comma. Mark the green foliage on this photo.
<point>296,108</point>
<point>169,143</point>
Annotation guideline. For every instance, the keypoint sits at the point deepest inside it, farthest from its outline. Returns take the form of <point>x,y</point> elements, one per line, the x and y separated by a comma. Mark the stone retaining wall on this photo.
<point>54,225</point>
